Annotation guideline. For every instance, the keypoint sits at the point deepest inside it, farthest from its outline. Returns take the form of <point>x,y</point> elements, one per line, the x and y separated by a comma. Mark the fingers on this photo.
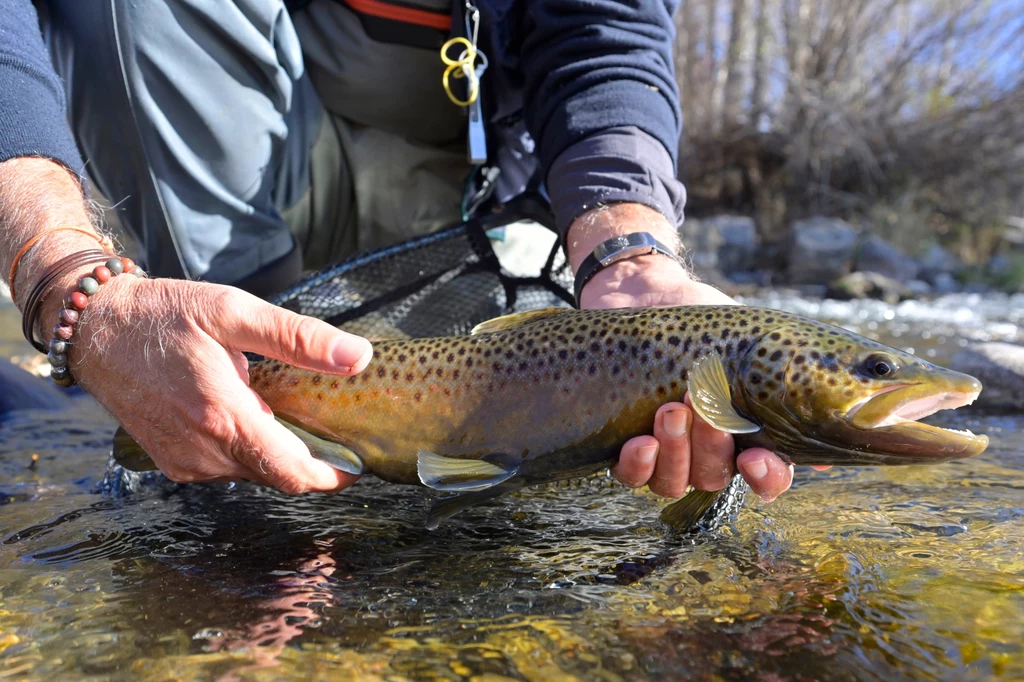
<point>713,455</point>
<point>767,475</point>
<point>277,457</point>
<point>672,473</point>
<point>636,461</point>
<point>243,322</point>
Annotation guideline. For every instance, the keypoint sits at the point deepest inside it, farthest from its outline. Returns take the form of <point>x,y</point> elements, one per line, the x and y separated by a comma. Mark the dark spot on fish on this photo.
<point>761,352</point>
<point>779,376</point>
<point>658,354</point>
<point>661,391</point>
<point>775,336</point>
<point>800,359</point>
<point>622,345</point>
<point>659,336</point>
<point>563,354</point>
<point>755,330</point>
<point>497,367</point>
<point>592,370</point>
<point>616,369</point>
<point>417,396</point>
<point>832,381</point>
<point>796,377</point>
<point>742,345</point>
<point>316,379</point>
<point>708,316</point>
<point>509,354</point>
<point>671,365</point>
<point>725,334</point>
<point>447,392</point>
<point>769,320</point>
<point>401,357</point>
<point>580,355</point>
<point>595,347</point>
<point>706,338</point>
<point>578,338</point>
<point>436,354</point>
<point>381,371</point>
<point>743,323</point>
<point>762,396</point>
<point>351,380</point>
<point>674,340</point>
<point>469,362</point>
<point>334,384</point>
<point>728,316</point>
<point>815,355</point>
<point>439,372</point>
<point>394,374</point>
<point>755,378</point>
<point>320,396</point>
<point>776,356</point>
<point>410,376</point>
<point>487,353</point>
<point>556,376</point>
<point>455,374</point>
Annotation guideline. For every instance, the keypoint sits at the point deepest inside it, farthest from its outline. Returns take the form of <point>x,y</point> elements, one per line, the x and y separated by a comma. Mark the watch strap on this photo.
<point>616,249</point>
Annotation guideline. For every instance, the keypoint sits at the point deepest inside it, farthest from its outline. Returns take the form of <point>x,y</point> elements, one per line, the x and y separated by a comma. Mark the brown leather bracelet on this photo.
<point>34,304</point>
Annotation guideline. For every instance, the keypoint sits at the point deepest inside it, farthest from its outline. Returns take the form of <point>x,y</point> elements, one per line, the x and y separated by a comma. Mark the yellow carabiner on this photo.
<point>463,67</point>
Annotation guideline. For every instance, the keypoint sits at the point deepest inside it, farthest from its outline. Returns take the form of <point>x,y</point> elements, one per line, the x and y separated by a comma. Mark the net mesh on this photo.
<point>439,284</point>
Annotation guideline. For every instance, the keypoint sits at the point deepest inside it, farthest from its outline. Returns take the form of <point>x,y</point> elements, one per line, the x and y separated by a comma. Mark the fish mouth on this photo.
<point>888,420</point>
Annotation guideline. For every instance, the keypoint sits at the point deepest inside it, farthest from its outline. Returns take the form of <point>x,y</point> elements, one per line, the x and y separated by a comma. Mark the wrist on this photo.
<point>605,222</point>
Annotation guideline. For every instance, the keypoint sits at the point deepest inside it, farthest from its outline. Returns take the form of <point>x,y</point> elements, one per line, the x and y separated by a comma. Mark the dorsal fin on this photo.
<point>515,320</point>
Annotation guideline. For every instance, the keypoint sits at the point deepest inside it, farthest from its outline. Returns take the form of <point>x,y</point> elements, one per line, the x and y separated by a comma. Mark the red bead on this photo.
<point>78,300</point>
<point>63,331</point>
<point>68,316</point>
<point>102,274</point>
<point>128,263</point>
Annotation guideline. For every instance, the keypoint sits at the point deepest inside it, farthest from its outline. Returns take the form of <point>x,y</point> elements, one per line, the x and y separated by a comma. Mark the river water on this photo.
<point>855,574</point>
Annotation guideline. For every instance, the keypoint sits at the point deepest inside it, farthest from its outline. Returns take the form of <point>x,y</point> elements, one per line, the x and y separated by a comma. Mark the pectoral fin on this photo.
<point>333,454</point>
<point>683,514</point>
<point>711,397</point>
<point>515,320</point>
<point>450,474</point>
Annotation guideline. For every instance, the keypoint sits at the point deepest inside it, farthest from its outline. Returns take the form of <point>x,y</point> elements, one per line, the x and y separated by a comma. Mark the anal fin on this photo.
<point>333,454</point>
<point>446,507</point>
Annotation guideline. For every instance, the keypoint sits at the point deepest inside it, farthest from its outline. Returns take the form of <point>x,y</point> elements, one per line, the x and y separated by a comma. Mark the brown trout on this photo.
<point>553,394</point>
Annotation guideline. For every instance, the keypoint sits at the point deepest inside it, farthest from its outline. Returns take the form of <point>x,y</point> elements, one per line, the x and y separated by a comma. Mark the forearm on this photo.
<point>35,195</point>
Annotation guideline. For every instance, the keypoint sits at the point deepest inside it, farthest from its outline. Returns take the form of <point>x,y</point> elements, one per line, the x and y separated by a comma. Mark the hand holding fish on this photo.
<point>165,358</point>
<point>684,449</point>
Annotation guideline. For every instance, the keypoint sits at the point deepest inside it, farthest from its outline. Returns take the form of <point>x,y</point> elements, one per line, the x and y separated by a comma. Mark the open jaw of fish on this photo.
<point>891,415</point>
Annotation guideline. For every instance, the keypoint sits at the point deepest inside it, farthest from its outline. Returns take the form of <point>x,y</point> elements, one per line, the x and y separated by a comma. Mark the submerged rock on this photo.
<point>21,390</point>
<point>877,255</point>
<point>822,250</point>
<point>1000,368</point>
<point>867,285</point>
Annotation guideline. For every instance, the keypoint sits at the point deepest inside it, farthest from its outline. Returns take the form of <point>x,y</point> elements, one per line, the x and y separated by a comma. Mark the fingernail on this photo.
<point>675,423</point>
<point>756,470</point>
<point>647,453</point>
<point>351,354</point>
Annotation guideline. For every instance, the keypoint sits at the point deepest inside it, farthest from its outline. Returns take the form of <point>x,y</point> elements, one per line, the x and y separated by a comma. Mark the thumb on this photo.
<point>243,322</point>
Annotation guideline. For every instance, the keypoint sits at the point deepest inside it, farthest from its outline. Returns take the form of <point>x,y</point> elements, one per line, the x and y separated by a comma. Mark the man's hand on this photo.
<point>684,450</point>
<point>165,358</point>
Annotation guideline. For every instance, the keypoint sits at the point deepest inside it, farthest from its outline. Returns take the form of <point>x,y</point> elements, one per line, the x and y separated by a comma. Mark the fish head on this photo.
<point>825,395</point>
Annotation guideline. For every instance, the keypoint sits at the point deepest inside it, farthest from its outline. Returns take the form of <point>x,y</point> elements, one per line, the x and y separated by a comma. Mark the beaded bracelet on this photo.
<point>74,305</point>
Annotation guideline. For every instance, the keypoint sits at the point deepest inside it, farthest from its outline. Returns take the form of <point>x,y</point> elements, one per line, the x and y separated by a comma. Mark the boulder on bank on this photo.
<point>877,255</point>
<point>738,244</point>
<point>1000,368</point>
<point>937,261</point>
<point>867,285</point>
<point>822,250</point>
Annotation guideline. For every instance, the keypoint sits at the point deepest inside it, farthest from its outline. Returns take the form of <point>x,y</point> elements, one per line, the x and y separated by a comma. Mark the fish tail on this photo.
<point>128,453</point>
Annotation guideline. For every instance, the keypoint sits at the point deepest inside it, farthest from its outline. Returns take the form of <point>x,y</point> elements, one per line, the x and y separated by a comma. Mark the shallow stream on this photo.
<point>855,574</point>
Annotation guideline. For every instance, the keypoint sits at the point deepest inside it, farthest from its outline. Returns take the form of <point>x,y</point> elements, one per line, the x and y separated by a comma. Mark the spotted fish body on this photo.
<point>578,383</point>
<point>554,394</point>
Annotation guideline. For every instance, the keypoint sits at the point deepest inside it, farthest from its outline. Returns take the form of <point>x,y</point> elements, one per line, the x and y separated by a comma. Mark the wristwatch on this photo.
<point>616,249</point>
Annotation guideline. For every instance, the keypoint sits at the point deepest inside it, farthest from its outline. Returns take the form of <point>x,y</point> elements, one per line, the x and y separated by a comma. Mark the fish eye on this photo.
<point>880,367</point>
